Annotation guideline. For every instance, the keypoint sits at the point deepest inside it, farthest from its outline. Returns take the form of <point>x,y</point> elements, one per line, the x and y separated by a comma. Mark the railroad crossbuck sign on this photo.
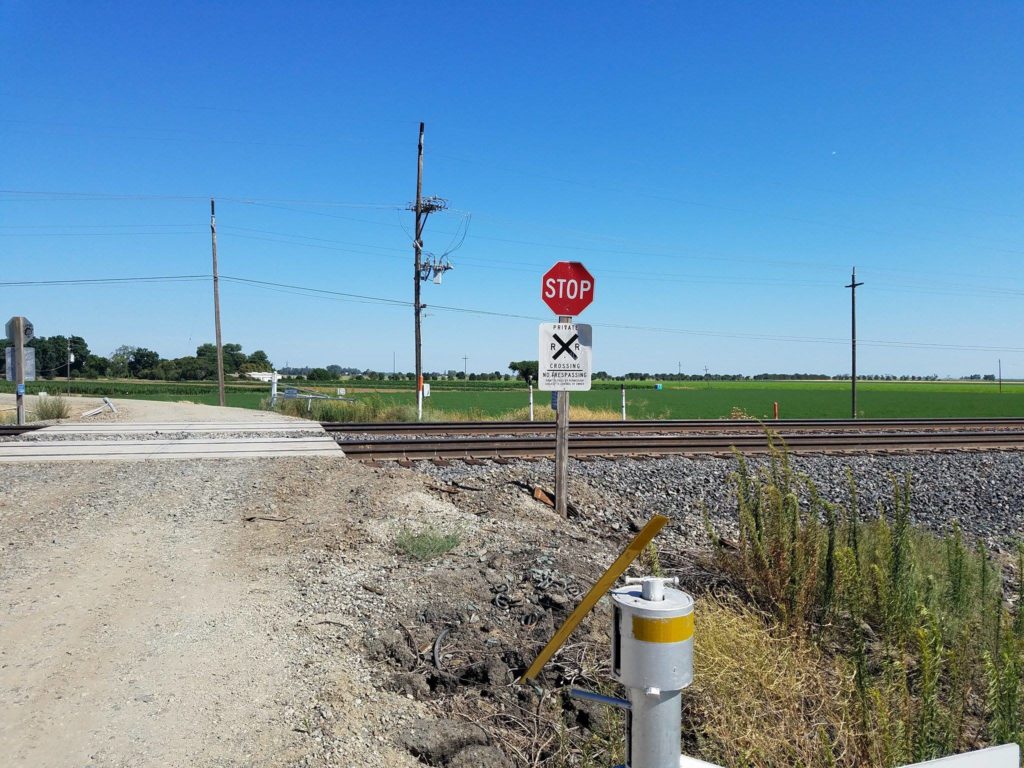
<point>564,357</point>
<point>568,288</point>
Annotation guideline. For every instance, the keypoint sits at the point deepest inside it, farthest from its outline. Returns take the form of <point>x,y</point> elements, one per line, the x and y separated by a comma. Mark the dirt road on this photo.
<point>144,622</point>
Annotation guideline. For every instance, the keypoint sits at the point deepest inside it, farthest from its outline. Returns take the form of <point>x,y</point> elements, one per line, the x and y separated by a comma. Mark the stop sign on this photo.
<point>568,288</point>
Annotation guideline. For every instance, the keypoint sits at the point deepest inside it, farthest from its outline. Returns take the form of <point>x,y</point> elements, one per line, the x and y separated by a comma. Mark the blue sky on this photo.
<point>718,167</point>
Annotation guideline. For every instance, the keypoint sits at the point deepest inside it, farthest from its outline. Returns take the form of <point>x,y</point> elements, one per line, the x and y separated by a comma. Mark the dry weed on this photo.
<point>761,699</point>
<point>541,412</point>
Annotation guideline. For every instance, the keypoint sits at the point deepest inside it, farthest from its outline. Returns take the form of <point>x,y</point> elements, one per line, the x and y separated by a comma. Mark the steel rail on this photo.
<point>668,426</point>
<point>474,447</point>
<point>17,429</point>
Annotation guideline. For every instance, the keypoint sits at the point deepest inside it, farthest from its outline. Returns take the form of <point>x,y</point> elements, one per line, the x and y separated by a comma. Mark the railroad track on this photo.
<point>685,426</point>
<point>621,445</point>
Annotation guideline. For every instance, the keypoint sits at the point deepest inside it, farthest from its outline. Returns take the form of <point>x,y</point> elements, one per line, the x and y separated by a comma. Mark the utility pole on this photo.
<point>423,208</point>
<point>69,365</point>
<point>16,332</point>
<point>418,248</point>
<point>853,341</point>
<point>465,366</point>
<point>1000,376</point>
<point>216,308</point>
<point>562,446</point>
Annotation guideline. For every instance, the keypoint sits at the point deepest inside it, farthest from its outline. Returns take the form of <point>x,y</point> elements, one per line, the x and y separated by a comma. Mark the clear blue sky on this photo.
<point>718,167</point>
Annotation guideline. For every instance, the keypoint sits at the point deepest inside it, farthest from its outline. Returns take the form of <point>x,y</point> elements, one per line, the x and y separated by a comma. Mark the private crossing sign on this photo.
<point>564,357</point>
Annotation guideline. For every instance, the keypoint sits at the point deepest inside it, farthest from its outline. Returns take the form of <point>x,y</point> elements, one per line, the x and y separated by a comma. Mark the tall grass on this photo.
<point>934,652</point>
<point>379,409</point>
<point>51,408</point>
<point>366,409</point>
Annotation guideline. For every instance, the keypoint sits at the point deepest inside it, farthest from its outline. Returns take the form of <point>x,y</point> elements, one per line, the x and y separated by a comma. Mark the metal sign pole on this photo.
<point>562,447</point>
<point>19,366</point>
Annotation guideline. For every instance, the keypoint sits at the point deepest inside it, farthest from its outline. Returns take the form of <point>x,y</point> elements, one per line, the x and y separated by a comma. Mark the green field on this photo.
<point>796,399</point>
<point>678,400</point>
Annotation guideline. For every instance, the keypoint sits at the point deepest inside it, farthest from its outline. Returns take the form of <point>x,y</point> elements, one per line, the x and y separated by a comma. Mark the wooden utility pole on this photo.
<point>216,308</point>
<point>562,446</point>
<point>465,366</point>
<point>853,342</point>
<point>19,366</point>
<point>19,330</point>
<point>417,244</point>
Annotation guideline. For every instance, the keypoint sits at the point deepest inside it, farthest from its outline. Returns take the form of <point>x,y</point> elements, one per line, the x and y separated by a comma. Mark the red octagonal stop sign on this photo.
<point>568,288</point>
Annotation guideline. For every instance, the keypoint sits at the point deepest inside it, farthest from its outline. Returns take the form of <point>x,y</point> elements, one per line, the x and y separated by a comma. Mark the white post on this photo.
<point>531,401</point>
<point>623,402</point>
<point>273,388</point>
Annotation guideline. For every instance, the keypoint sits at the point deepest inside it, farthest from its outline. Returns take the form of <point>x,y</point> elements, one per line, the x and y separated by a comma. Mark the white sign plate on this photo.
<point>564,357</point>
<point>30,363</point>
<point>1006,756</point>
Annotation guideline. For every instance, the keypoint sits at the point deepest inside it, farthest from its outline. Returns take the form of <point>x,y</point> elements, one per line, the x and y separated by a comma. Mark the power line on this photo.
<point>656,329</point>
<point>94,234</point>
<point>937,288</point>
<point>701,255</point>
<point>106,281</point>
<point>62,195</point>
<point>381,300</point>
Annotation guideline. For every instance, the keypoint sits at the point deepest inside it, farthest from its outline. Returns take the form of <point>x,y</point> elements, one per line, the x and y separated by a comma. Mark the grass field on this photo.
<point>714,400</point>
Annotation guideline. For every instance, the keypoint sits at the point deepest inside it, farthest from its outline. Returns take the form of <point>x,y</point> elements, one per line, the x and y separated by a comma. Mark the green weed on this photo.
<point>426,544</point>
<point>935,656</point>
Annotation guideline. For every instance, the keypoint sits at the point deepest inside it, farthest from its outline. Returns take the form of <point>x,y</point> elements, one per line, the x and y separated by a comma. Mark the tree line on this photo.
<point>60,356</point>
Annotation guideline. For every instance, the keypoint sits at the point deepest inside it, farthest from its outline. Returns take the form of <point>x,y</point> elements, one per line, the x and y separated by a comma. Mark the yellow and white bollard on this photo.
<point>652,657</point>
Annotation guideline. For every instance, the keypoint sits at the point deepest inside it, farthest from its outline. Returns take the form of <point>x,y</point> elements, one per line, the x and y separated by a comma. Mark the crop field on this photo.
<point>678,400</point>
<point>797,400</point>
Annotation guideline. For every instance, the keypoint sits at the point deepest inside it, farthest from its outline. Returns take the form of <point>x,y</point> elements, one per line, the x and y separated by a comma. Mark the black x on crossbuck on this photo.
<point>564,346</point>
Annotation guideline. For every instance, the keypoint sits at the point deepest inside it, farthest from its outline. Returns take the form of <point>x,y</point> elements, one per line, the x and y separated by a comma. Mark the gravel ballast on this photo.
<point>983,491</point>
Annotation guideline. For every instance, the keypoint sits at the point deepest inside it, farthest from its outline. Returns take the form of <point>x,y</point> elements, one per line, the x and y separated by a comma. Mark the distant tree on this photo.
<point>167,370</point>
<point>525,369</point>
<point>258,361</point>
<point>119,361</point>
<point>95,366</point>
<point>320,374</point>
<point>142,361</point>
<point>195,369</point>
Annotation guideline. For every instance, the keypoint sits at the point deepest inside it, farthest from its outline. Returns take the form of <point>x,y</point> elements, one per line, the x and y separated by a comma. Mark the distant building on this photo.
<point>263,375</point>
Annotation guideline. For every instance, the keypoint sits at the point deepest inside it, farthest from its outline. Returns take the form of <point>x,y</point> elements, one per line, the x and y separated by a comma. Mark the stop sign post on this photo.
<point>567,288</point>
